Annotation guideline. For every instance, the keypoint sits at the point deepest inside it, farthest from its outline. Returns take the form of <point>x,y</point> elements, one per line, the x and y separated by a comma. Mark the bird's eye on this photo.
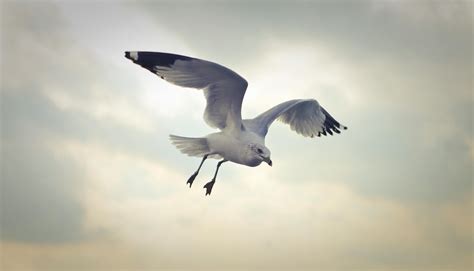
<point>259,150</point>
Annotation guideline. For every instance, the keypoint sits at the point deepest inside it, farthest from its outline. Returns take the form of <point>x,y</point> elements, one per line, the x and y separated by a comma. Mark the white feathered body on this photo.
<point>222,145</point>
<point>235,149</point>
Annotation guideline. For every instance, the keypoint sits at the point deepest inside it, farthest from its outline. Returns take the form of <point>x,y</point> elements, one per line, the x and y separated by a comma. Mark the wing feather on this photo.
<point>224,89</point>
<point>304,116</point>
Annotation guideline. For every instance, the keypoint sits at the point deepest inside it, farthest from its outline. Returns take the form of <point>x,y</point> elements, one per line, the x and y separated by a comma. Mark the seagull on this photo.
<point>241,141</point>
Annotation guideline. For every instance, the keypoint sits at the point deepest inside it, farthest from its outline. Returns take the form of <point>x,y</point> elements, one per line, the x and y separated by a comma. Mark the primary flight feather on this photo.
<point>239,141</point>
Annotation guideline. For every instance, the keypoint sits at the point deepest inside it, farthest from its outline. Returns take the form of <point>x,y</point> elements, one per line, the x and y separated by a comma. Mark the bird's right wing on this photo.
<point>305,117</point>
<point>223,88</point>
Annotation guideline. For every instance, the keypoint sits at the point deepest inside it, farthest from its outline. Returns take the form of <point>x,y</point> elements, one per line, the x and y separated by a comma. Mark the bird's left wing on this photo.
<point>223,88</point>
<point>305,117</point>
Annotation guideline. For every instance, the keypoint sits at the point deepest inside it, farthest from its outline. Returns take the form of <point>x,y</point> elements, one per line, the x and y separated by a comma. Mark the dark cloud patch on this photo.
<point>40,194</point>
<point>355,28</point>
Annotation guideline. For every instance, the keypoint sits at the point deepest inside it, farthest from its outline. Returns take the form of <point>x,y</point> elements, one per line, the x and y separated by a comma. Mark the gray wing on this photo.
<point>223,88</point>
<point>305,117</point>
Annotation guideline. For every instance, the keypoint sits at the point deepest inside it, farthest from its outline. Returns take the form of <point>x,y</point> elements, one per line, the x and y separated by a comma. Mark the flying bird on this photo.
<point>241,141</point>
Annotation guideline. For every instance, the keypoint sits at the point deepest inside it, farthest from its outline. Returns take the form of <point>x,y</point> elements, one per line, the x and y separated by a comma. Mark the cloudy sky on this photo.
<point>89,180</point>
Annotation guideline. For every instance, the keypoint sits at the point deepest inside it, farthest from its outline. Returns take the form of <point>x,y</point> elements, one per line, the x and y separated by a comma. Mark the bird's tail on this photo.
<point>192,146</point>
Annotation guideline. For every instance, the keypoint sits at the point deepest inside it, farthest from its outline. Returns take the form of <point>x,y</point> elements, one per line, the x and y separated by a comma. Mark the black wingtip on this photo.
<point>132,55</point>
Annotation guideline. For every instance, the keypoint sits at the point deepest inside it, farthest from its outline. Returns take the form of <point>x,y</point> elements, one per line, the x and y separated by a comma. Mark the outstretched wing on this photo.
<point>305,117</point>
<point>223,88</point>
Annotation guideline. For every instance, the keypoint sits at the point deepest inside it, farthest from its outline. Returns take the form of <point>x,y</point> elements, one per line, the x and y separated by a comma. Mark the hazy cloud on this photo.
<point>89,180</point>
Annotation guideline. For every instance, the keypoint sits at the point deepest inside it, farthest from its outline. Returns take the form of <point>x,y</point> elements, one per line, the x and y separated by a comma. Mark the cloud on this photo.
<point>40,194</point>
<point>60,96</point>
<point>89,180</point>
<point>425,11</point>
<point>67,94</point>
<point>401,135</point>
<point>268,228</point>
<point>94,255</point>
<point>40,189</point>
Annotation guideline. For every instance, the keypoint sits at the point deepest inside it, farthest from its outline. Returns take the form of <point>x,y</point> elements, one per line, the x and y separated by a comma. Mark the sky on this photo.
<point>90,181</point>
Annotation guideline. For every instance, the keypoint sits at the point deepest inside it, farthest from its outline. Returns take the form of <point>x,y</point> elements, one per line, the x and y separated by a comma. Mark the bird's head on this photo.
<point>260,152</point>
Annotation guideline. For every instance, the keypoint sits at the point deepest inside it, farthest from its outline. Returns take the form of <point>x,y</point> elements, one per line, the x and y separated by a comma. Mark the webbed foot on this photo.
<point>209,186</point>
<point>191,179</point>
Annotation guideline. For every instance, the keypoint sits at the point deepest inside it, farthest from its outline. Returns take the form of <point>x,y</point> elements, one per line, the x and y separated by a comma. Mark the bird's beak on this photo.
<point>268,161</point>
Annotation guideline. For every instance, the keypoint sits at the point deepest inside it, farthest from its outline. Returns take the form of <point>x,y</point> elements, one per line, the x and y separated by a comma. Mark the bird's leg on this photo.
<point>210,184</point>
<point>191,179</point>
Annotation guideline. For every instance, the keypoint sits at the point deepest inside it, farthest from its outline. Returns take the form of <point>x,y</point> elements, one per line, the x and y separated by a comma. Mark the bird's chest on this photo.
<point>233,149</point>
<point>239,153</point>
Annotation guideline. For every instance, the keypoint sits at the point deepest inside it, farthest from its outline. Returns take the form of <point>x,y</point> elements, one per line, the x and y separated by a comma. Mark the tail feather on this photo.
<point>191,146</point>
